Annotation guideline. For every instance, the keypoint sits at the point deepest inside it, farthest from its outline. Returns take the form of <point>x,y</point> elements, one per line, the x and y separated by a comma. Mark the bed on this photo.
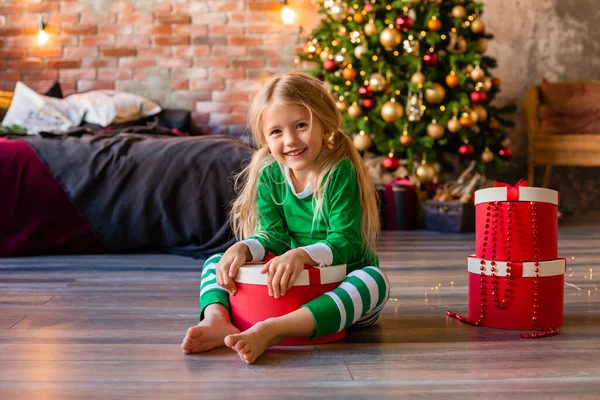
<point>117,190</point>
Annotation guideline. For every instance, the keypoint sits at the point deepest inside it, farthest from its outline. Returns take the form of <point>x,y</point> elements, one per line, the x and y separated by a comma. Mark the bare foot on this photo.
<point>253,342</point>
<point>209,334</point>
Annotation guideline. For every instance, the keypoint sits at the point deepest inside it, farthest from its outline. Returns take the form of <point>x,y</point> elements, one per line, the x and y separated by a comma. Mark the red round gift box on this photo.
<point>493,204</point>
<point>518,312</point>
<point>252,303</point>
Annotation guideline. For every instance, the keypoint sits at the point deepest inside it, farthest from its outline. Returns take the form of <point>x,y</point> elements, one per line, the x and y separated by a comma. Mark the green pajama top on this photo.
<point>286,219</point>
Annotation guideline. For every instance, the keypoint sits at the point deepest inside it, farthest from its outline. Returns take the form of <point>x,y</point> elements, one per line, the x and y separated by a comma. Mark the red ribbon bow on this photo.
<point>512,192</point>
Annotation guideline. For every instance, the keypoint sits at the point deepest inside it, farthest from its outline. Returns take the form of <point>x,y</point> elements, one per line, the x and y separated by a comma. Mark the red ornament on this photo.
<point>368,7</point>
<point>505,153</point>
<point>365,91</point>
<point>368,103</point>
<point>403,22</point>
<point>390,163</point>
<point>330,65</point>
<point>478,97</point>
<point>466,150</point>
<point>430,58</point>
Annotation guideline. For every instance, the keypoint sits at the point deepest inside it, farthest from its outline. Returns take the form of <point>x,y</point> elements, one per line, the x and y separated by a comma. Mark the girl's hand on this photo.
<point>284,270</point>
<point>227,268</point>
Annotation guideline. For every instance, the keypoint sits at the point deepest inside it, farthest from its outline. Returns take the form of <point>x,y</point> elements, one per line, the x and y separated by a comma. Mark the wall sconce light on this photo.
<point>42,35</point>
<point>287,14</point>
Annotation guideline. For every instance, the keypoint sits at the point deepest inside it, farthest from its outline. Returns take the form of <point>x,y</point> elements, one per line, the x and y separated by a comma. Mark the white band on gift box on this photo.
<point>331,274</point>
<point>525,194</point>
<point>546,268</point>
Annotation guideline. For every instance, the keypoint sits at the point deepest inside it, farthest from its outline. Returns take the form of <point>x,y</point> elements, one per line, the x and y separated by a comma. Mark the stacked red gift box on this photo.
<point>516,279</point>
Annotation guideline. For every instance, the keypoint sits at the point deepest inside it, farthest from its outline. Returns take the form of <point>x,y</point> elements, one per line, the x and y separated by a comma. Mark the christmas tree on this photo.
<point>411,79</point>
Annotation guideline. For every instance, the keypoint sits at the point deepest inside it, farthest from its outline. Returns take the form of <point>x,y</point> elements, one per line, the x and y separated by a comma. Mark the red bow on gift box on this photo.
<point>512,192</point>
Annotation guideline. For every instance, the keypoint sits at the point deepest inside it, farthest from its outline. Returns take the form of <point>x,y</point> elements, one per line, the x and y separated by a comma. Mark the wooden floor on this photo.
<point>109,327</point>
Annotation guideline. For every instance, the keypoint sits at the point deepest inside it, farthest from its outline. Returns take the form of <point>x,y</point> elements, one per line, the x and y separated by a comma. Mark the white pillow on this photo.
<point>105,107</point>
<point>36,112</point>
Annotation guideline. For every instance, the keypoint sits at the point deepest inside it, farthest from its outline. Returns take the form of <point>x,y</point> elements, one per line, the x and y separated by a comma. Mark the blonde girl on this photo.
<point>305,198</point>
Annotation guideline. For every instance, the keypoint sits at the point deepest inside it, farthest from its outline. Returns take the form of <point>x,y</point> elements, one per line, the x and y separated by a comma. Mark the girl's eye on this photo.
<point>275,131</point>
<point>302,125</point>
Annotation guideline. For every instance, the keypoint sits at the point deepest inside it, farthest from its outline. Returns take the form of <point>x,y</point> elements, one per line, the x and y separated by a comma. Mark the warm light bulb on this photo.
<point>288,15</point>
<point>43,37</point>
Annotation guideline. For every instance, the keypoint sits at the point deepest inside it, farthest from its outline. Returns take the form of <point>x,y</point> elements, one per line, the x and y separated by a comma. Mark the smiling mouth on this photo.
<point>296,152</point>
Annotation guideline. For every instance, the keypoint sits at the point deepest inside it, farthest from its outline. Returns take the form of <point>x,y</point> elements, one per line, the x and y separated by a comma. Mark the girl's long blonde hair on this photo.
<point>296,89</point>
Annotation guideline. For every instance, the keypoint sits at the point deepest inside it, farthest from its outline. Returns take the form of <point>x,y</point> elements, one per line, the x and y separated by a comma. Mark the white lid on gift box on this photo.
<point>525,193</point>
<point>250,273</point>
<point>545,268</point>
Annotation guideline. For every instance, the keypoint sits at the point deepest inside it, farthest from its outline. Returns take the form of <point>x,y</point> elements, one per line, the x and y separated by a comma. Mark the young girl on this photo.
<point>306,199</point>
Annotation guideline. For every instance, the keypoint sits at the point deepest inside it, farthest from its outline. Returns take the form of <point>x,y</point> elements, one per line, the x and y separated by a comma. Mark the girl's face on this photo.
<point>289,136</point>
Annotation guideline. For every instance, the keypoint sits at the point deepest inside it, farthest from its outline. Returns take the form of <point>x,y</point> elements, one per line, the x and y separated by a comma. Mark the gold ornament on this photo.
<point>324,55</point>
<point>487,84</point>
<point>434,24</point>
<point>435,130</point>
<point>459,12</point>
<point>411,46</point>
<point>477,26</point>
<point>481,112</point>
<point>425,172</point>
<point>341,105</point>
<point>342,31</point>
<point>477,74</point>
<point>414,107</point>
<point>358,17</point>
<point>466,120</point>
<point>405,139</point>
<point>435,94</point>
<point>457,45</point>
<point>487,156</point>
<point>474,115</point>
<point>377,82</point>
<point>417,78</point>
<point>452,80</point>
<point>362,142</point>
<point>349,73</point>
<point>354,110</point>
<point>482,43</point>
<point>391,111</point>
<point>454,125</point>
<point>359,51</point>
<point>371,29</point>
<point>493,124</point>
<point>390,38</point>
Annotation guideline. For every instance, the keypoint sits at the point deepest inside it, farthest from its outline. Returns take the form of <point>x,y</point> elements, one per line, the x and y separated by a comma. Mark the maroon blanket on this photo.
<point>37,216</point>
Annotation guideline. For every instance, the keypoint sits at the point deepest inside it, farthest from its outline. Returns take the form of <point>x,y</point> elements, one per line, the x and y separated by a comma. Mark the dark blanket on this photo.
<point>148,193</point>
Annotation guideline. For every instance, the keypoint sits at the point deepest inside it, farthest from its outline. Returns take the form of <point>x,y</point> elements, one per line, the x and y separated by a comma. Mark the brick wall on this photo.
<point>208,56</point>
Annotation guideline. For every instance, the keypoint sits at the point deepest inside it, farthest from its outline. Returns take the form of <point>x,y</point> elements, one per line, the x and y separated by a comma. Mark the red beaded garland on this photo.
<point>492,224</point>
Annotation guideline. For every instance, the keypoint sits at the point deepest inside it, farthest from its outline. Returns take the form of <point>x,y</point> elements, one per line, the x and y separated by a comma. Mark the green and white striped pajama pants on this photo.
<point>358,300</point>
